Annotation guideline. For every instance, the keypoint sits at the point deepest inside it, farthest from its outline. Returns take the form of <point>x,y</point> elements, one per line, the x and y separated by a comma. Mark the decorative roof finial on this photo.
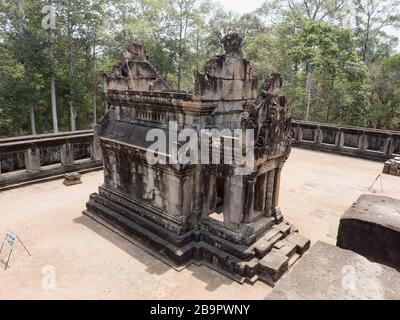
<point>233,45</point>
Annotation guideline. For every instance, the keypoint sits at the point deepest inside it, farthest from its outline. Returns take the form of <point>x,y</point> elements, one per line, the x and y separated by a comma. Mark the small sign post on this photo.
<point>9,241</point>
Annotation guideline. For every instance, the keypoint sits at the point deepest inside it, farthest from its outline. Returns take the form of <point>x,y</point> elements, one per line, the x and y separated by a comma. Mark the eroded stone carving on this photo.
<point>134,72</point>
<point>195,212</point>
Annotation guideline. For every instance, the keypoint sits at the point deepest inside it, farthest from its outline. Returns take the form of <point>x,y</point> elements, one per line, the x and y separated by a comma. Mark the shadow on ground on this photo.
<point>155,266</point>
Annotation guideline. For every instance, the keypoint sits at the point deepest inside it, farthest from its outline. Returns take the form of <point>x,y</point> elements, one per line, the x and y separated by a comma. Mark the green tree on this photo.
<point>22,50</point>
<point>297,12</point>
<point>339,87</point>
<point>371,18</point>
<point>384,111</point>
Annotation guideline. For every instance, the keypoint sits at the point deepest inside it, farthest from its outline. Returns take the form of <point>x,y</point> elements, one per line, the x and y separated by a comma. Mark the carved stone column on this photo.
<point>210,200</point>
<point>261,194</point>
<point>300,134</point>
<point>387,147</point>
<point>32,160</point>
<point>338,136</point>
<point>234,201</point>
<point>270,194</point>
<point>95,149</point>
<point>341,140</point>
<point>249,214</point>
<point>67,154</point>
<point>319,136</point>
<point>277,187</point>
<point>363,143</point>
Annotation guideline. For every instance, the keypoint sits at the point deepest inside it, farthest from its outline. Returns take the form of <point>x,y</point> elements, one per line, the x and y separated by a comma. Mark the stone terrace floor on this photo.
<point>91,262</point>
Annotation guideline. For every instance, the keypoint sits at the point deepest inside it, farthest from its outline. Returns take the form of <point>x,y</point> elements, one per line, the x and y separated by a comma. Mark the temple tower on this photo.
<point>222,213</point>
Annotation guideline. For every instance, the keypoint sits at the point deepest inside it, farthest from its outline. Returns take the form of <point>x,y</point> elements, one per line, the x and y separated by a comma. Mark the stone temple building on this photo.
<point>198,212</point>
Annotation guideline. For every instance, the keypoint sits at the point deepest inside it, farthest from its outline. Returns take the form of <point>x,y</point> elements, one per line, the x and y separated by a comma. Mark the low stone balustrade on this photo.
<point>353,141</point>
<point>32,158</point>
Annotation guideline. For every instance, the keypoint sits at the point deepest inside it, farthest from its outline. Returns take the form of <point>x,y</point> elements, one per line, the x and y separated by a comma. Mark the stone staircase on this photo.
<point>275,253</point>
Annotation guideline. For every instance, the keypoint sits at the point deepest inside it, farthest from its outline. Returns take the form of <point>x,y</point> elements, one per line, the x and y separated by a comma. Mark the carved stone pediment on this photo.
<point>134,72</point>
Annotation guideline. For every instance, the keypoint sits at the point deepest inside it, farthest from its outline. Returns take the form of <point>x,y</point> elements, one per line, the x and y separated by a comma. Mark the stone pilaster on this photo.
<point>234,201</point>
<point>300,134</point>
<point>387,147</point>
<point>261,194</point>
<point>277,187</point>
<point>363,143</point>
<point>95,150</point>
<point>341,140</point>
<point>249,213</point>
<point>32,160</point>
<point>270,194</point>
<point>210,200</point>
<point>67,154</point>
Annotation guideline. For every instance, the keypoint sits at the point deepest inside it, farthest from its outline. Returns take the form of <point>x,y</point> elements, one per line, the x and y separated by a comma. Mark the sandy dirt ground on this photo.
<point>75,258</point>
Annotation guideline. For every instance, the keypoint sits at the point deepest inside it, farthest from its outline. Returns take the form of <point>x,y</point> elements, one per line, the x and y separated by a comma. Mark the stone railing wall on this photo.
<point>353,141</point>
<point>30,158</point>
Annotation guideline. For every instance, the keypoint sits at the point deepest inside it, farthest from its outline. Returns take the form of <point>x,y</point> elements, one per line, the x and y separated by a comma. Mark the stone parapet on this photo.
<point>36,158</point>
<point>352,141</point>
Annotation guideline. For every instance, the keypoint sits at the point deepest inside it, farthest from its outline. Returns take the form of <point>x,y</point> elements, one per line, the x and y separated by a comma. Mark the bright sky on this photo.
<point>245,6</point>
<point>241,6</point>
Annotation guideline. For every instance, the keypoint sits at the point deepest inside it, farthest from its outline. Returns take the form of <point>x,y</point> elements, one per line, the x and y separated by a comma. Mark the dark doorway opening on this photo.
<point>220,189</point>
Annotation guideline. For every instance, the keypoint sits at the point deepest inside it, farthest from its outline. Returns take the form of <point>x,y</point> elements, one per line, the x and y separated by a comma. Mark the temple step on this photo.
<point>109,217</point>
<point>265,245</point>
<point>287,248</point>
<point>273,266</point>
<point>302,243</point>
<point>293,260</point>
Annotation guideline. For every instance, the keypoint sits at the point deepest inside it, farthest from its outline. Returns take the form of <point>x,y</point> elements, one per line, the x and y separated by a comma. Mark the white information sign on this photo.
<point>10,238</point>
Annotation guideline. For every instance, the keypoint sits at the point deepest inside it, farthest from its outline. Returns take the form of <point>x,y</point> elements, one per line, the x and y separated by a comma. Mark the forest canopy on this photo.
<point>338,58</point>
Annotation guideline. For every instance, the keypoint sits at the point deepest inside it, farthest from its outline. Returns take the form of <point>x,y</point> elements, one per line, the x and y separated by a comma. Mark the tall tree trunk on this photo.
<point>94,106</point>
<point>33,121</point>
<point>53,83</point>
<point>328,111</point>
<point>71,82</point>
<point>94,84</point>
<point>180,63</point>
<point>366,40</point>
<point>197,48</point>
<point>27,76</point>
<point>180,44</point>
<point>308,90</point>
<point>73,115</point>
